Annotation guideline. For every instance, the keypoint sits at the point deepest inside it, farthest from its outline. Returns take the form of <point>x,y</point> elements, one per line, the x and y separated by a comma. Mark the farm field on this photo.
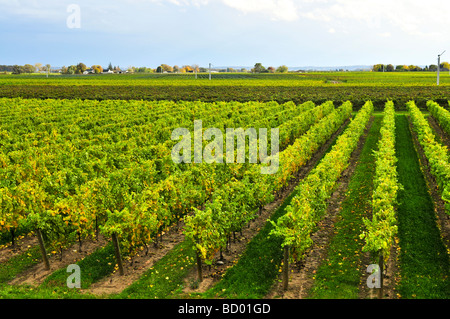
<point>356,87</point>
<point>88,178</point>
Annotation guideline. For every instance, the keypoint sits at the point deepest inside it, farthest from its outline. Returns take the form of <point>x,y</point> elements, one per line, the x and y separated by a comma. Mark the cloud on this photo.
<point>385,34</point>
<point>412,17</point>
<point>384,17</point>
<point>276,9</point>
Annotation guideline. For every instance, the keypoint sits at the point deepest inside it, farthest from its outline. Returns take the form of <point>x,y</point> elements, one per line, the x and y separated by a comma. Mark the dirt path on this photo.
<point>301,276</point>
<point>35,275</point>
<point>138,264</point>
<point>22,244</point>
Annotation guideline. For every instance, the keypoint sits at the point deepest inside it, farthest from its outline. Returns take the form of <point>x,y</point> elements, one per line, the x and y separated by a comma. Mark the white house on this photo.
<point>89,71</point>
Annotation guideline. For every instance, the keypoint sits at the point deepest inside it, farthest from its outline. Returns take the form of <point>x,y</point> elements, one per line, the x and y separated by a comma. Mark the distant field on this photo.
<point>226,79</point>
<point>356,87</point>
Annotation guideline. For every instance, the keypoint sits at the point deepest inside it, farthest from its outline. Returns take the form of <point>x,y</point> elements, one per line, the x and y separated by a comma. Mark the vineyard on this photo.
<point>88,178</point>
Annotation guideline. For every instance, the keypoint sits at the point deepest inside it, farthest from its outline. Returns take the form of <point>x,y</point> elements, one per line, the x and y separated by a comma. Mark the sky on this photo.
<point>224,32</point>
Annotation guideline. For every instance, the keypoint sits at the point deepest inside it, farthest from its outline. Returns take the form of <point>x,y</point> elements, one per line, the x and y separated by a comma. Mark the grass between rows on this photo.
<point>93,267</point>
<point>339,275</point>
<point>15,265</point>
<point>424,262</point>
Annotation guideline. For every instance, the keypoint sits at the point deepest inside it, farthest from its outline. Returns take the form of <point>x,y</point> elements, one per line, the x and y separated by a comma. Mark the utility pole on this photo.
<point>210,71</point>
<point>439,67</point>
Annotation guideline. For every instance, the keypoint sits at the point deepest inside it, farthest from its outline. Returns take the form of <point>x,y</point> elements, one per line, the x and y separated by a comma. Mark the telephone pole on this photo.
<point>439,67</point>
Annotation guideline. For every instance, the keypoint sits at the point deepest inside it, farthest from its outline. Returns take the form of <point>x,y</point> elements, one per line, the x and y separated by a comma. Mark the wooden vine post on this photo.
<point>43,250</point>
<point>199,267</point>
<point>118,254</point>
<point>286,267</point>
<point>381,266</point>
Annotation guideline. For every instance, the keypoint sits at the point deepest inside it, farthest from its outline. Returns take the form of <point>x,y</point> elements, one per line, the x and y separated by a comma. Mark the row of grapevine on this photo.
<point>309,205</point>
<point>381,230</point>
<point>64,177</point>
<point>440,114</point>
<point>235,204</point>
<point>436,153</point>
<point>297,154</point>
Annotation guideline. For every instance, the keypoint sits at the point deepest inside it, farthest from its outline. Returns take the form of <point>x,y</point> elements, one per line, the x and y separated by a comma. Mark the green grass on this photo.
<point>339,275</point>
<point>166,278</point>
<point>424,262</point>
<point>15,265</point>
<point>93,267</point>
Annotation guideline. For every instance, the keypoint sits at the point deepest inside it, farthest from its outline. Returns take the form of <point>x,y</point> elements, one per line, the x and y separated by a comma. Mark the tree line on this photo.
<point>27,68</point>
<point>445,66</point>
<point>80,68</point>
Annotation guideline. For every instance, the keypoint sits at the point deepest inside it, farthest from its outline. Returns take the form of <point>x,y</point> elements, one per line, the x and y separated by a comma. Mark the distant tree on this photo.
<point>432,67</point>
<point>176,69</point>
<point>378,68</point>
<point>38,67</point>
<point>390,68</point>
<point>28,68</point>
<point>17,69</point>
<point>166,68</point>
<point>259,68</point>
<point>6,68</point>
<point>186,69</point>
<point>445,66</point>
<point>401,68</point>
<point>80,68</point>
<point>282,69</point>
<point>195,67</point>
<point>71,69</point>
<point>414,68</point>
<point>110,67</point>
<point>271,69</point>
<point>97,69</point>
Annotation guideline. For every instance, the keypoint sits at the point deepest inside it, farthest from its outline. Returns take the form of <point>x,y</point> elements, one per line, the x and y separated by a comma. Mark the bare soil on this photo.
<point>22,244</point>
<point>138,264</point>
<point>35,275</point>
